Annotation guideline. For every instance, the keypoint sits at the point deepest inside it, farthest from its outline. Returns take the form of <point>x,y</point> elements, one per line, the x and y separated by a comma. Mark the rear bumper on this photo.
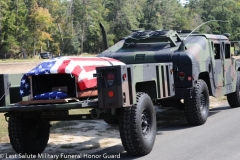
<point>183,93</point>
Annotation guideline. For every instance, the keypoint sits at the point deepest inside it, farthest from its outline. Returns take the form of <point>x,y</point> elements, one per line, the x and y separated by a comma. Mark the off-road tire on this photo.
<point>137,125</point>
<point>109,120</point>
<point>28,136</point>
<point>234,98</point>
<point>197,108</point>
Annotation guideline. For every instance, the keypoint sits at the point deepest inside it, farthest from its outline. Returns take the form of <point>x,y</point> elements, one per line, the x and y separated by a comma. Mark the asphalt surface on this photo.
<point>217,139</point>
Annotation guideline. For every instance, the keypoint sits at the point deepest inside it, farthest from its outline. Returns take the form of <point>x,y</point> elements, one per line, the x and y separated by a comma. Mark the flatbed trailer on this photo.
<point>123,96</point>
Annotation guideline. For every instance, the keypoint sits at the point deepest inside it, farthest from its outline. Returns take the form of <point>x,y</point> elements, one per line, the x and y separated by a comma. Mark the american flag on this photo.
<point>50,95</point>
<point>81,67</point>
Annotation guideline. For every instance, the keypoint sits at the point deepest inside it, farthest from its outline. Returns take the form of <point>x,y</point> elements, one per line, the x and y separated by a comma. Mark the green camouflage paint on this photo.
<point>197,60</point>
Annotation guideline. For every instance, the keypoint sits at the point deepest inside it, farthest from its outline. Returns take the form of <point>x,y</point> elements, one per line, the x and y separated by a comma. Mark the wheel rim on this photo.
<point>145,123</point>
<point>203,105</point>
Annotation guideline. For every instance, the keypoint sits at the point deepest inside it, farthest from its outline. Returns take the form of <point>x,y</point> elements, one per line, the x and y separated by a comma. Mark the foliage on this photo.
<point>68,27</point>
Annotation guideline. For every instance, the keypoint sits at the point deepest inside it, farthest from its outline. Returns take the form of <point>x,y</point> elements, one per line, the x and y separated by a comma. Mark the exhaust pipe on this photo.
<point>104,35</point>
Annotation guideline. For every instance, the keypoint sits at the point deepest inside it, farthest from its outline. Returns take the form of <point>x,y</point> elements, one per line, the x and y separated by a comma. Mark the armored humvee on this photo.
<point>162,67</point>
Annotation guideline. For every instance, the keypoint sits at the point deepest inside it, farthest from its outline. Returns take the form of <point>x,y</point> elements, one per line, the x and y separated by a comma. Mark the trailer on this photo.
<point>122,96</point>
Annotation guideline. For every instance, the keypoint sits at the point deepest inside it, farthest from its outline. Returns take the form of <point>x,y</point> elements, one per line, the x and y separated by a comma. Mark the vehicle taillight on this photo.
<point>181,76</point>
<point>124,76</point>
<point>110,78</point>
<point>111,94</point>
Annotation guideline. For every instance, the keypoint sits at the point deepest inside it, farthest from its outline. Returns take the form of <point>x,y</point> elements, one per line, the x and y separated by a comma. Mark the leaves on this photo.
<point>72,26</point>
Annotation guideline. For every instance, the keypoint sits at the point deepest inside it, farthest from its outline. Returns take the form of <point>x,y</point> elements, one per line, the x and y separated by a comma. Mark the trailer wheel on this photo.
<point>234,98</point>
<point>27,135</point>
<point>197,108</point>
<point>137,126</point>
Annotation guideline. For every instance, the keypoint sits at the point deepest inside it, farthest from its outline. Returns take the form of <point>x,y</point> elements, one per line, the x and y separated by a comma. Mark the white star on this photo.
<point>40,67</point>
<point>26,85</point>
<point>23,81</point>
<point>33,71</point>
<point>21,92</point>
<point>42,94</point>
<point>46,72</point>
<point>57,97</point>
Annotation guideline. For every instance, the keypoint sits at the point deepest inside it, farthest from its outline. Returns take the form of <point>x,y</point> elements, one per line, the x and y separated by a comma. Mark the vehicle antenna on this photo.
<point>182,46</point>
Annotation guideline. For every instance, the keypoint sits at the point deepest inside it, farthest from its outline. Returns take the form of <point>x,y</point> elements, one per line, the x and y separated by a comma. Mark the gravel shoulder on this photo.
<point>17,67</point>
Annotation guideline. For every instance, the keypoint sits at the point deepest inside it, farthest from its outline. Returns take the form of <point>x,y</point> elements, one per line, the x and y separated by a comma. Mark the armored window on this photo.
<point>227,50</point>
<point>217,51</point>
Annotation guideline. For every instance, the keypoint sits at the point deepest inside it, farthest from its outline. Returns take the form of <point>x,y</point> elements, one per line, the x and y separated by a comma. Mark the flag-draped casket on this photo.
<point>82,68</point>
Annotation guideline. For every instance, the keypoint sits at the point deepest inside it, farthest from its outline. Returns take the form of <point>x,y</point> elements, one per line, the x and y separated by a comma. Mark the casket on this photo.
<point>62,79</point>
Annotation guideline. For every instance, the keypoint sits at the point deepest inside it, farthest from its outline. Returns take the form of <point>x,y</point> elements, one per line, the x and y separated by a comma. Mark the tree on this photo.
<point>41,20</point>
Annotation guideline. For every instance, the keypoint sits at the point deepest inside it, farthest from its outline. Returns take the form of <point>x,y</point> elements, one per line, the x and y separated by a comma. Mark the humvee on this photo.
<point>236,48</point>
<point>163,67</point>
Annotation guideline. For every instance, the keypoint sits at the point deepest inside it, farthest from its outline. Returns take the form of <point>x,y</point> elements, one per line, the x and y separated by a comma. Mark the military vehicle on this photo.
<point>163,67</point>
<point>236,48</point>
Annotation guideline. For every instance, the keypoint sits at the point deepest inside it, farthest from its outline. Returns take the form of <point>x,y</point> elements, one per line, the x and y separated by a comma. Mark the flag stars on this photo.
<point>21,92</point>
<point>46,72</point>
<point>26,85</point>
<point>23,81</point>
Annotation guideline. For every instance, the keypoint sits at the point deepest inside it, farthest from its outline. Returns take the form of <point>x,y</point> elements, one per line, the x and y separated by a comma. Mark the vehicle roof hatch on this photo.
<point>168,36</point>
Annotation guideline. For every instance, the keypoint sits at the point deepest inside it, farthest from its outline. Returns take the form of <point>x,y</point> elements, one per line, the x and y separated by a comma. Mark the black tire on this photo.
<point>137,125</point>
<point>109,120</point>
<point>28,136</point>
<point>197,108</point>
<point>234,98</point>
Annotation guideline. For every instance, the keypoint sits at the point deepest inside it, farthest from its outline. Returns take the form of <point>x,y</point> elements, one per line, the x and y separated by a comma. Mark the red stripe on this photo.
<point>76,71</point>
<point>91,68</point>
<point>87,83</point>
<point>63,66</point>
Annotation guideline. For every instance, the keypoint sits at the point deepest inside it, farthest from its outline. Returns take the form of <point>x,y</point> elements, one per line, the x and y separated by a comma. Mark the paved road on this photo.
<point>218,139</point>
